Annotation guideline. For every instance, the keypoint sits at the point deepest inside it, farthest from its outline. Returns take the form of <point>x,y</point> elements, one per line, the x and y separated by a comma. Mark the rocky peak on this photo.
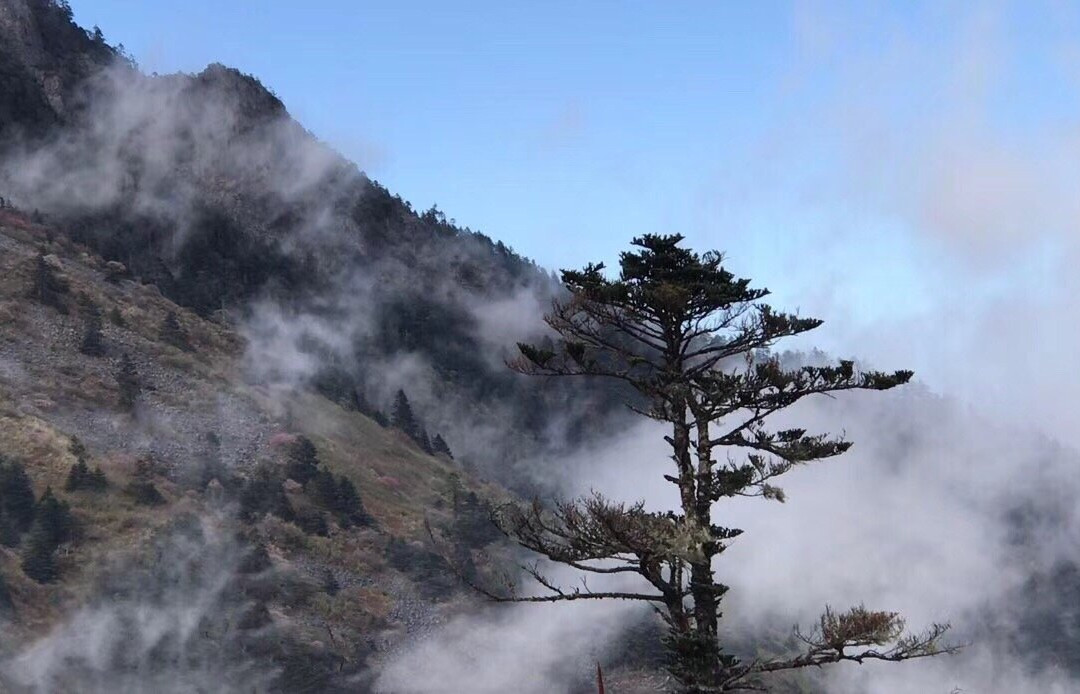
<point>44,55</point>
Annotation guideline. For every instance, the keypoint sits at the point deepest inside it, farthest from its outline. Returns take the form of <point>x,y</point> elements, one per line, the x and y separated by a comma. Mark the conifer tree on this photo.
<point>116,317</point>
<point>38,557</point>
<point>17,503</point>
<point>401,416</point>
<point>81,476</point>
<point>53,525</point>
<point>127,380</point>
<point>348,505</point>
<point>55,518</point>
<point>689,338</point>
<point>93,344</point>
<point>6,603</point>
<point>77,448</point>
<point>48,287</point>
<point>323,489</point>
<point>422,440</point>
<point>173,333</point>
<point>303,462</point>
<point>438,445</point>
<point>263,493</point>
<point>77,477</point>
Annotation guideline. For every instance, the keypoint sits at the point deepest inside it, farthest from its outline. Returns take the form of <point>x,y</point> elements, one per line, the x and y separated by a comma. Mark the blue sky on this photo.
<point>870,164</point>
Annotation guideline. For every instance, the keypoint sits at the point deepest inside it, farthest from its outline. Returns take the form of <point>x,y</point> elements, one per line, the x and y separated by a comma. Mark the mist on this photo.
<point>956,502</point>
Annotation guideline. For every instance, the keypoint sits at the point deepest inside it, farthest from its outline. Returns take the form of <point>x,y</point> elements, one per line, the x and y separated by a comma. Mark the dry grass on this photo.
<point>399,485</point>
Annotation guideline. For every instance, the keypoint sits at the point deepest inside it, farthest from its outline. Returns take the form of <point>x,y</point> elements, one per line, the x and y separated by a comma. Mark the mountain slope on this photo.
<point>199,436</point>
<point>205,186</point>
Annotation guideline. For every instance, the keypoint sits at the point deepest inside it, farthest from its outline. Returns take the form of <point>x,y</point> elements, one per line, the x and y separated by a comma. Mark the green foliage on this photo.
<point>173,333</point>
<point>81,477</point>
<point>48,287</point>
<point>53,525</point>
<point>127,381</point>
<point>402,417</point>
<point>263,493</point>
<point>347,504</point>
<point>312,522</point>
<point>473,523</point>
<point>303,463</point>
<point>17,503</point>
<point>438,445</point>
<point>6,603</point>
<point>255,561</point>
<point>93,344</point>
<point>431,572</point>
<point>54,519</point>
<point>38,558</point>
<point>339,496</point>
<point>692,340</point>
<point>144,492</point>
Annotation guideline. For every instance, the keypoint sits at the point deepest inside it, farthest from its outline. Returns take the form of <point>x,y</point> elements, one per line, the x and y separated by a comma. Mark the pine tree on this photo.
<point>348,505</point>
<point>688,338</point>
<point>17,503</point>
<point>116,317</point>
<point>93,344</point>
<point>402,417</point>
<point>144,492</point>
<point>78,477</point>
<point>422,440</point>
<point>82,478</point>
<point>54,517</point>
<point>173,333</point>
<point>438,445</point>
<point>264,493</point>
<point>48,287</point>
<point>303,462</point>
<point>77,448</point>
<point>53,526</point>
<point>323,489</point>
<point>127,380</point>
<point>6,603</point>
<point>97,481</point>
<point>38,557</point>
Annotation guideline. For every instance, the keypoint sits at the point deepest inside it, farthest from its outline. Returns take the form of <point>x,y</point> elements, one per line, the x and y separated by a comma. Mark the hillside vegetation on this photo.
<point>301,582</point>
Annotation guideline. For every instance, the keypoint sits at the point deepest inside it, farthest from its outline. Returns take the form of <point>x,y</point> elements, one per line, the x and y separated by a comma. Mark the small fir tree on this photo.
<point>401,416</point>
<point>127,380</point>
<point>48,286</point>
<point>303,462</point>
<point>93,343</point>
<point>17,503</point>
<point>438,445</point>
<point>173,333</point>
<point>38,558</point>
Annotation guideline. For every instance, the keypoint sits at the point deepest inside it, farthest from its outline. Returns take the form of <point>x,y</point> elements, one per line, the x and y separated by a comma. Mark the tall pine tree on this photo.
<point>688,337</point>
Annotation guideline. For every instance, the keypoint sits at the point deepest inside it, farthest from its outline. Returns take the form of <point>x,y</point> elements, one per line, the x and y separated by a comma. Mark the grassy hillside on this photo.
<point>340,594</point>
